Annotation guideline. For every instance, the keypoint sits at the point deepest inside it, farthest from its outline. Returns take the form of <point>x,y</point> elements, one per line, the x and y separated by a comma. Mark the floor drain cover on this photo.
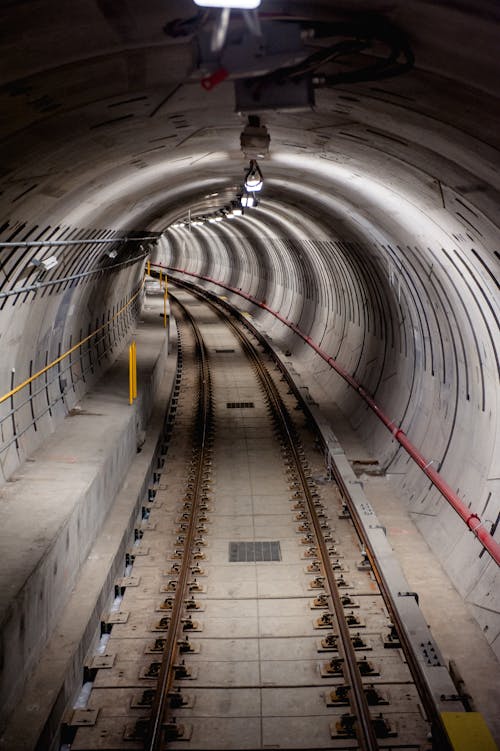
<point>240,405</point>
<point>245,552</point>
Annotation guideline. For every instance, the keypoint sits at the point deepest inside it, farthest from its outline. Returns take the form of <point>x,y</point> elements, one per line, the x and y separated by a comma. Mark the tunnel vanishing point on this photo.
<point>328,169</point>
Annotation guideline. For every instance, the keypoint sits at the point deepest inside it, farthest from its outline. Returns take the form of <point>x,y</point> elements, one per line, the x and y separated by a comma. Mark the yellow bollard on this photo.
<point>130,375</point>
<point>134,370</point>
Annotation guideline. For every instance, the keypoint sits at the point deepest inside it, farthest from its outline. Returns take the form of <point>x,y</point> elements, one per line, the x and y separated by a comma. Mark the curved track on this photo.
<point>252,616</point>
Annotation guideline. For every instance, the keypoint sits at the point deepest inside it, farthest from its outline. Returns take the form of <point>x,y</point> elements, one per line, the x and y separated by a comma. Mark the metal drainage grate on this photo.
<point>245,552</point>
<point>223,351</point>
<point>240,405</point>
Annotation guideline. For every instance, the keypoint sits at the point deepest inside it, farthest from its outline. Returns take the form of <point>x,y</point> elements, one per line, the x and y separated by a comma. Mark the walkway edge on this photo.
<point>58,675</point>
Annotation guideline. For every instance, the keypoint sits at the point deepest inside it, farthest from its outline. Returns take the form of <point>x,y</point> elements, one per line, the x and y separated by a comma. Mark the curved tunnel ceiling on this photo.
<point>377,232</point>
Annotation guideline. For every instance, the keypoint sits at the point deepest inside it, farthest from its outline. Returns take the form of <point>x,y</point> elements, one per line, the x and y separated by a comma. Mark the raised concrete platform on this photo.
<point>77,495</point>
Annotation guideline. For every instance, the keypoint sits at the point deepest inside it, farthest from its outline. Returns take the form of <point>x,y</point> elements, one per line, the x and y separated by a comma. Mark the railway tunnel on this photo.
<point>133,138</point>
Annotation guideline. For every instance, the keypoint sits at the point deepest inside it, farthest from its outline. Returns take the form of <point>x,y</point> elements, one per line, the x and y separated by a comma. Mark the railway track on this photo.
<point>251,614</point>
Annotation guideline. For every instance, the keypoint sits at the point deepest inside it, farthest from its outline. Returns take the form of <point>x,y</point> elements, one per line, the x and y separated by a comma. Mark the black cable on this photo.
<point>359,37</point>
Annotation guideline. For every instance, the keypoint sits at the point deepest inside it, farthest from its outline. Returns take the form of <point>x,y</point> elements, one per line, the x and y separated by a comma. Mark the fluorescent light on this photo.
<point>237,212</point>
<point>218,219</point>
<point>243,4</point>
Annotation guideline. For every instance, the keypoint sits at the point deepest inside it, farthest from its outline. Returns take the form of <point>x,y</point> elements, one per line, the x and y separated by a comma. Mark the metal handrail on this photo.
<point>72,349</point>
<point>83,371</point>
<point>94,335</point>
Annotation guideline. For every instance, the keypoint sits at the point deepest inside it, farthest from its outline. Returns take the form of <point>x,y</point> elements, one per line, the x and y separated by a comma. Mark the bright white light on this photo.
<point>218,219</point>
<point>212,221</point>
<point>253,178</point>
<point>247,201</point>
<point>237,212</point>
<point>244,4</point>
<point>253,183</point>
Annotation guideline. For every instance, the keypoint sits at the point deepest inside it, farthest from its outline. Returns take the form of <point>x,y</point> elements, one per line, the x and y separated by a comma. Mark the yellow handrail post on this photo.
<point>72,349</point>
<point>165,309</point>
<point>134,355</point>
<point>130,375</point>
<point>149,267</point>
<point>161,277</point>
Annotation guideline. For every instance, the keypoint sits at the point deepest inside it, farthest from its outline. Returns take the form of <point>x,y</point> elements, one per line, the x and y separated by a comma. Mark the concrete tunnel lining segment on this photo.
<point>377,233</point>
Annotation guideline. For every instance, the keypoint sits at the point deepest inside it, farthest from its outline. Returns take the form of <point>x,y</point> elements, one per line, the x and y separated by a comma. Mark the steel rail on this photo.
<point>433,715</point>
<point>412,660</point>
<point>471,519</point>
<point>365,730</point>
<point>155,739</point>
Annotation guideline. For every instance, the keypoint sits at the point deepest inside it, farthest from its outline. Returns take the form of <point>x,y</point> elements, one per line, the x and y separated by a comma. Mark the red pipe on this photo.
<point>472,520</point>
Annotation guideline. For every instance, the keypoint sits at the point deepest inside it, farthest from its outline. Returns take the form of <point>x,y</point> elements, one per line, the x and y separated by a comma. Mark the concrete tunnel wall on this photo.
<point>390,311</point>
<point>37,327</point>
<point>413,323</point>
<point>377,234</point>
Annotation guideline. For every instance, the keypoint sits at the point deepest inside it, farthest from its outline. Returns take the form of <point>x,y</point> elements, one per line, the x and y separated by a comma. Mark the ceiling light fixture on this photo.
<point>255,139</point>
<point>236,4</point>
<point>253,178</point>
<point>247,200</point>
